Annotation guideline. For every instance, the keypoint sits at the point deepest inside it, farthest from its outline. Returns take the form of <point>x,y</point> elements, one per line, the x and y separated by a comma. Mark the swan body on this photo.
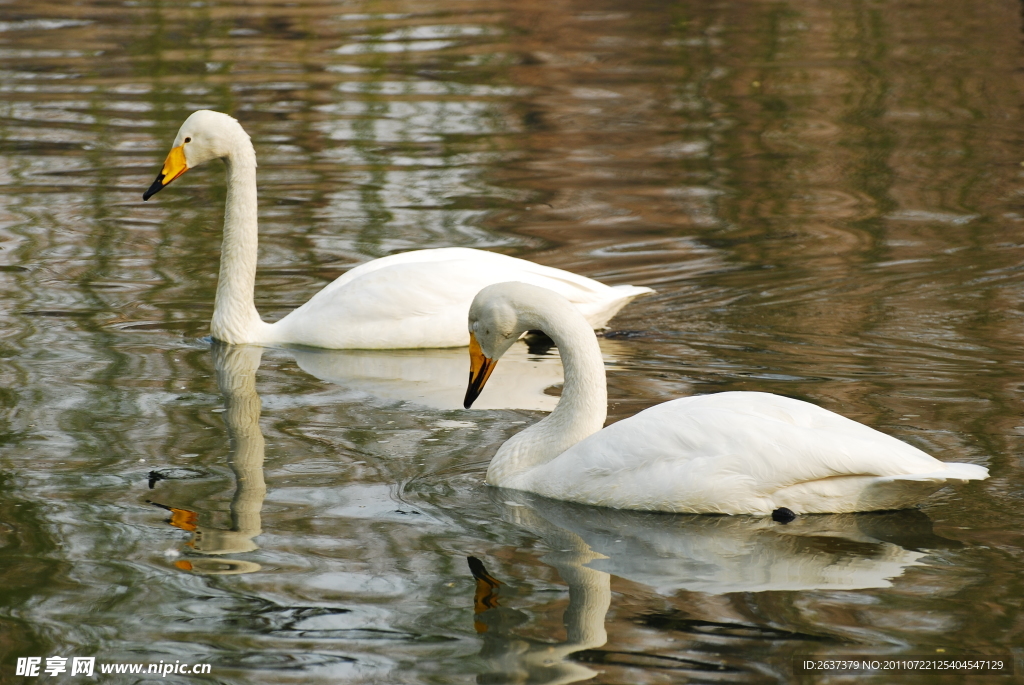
<point>412,300</point>
<point>727,453</point>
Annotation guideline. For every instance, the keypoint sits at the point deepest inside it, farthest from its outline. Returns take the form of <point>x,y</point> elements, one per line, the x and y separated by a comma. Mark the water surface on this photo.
<point>826,197</point>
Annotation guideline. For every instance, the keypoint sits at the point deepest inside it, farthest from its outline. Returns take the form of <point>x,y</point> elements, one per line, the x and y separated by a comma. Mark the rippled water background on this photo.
<point>828,198</point>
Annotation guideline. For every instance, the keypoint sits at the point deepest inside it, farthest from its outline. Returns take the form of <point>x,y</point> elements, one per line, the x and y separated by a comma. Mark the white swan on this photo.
<point>728,453</point>
<point>409,300</point>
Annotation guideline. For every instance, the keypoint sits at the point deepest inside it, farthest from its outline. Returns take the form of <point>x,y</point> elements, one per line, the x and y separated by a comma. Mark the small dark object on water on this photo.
<point>783,515</point>
<point>620,335</point>
<point>154,476</point>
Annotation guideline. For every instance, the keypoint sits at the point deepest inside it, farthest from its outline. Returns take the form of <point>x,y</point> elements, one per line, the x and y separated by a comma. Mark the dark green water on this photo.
<point>828,198</point>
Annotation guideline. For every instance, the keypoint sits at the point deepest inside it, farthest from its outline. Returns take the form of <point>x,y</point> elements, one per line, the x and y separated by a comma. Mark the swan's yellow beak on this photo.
<point>480,368</point>
<point>174,166</point>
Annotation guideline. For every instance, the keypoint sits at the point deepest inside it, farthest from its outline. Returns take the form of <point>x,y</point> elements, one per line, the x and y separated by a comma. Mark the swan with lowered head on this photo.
<point>726,453</point>
<point>409,300</point>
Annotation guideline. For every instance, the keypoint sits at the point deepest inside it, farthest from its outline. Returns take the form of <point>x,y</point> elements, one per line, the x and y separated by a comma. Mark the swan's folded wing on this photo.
<point>563,282</point>
<point>728,453</point>
<point>422,299</point>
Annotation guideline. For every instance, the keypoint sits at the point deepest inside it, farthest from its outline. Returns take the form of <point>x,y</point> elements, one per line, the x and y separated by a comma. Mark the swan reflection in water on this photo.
<point>236,376</point>
<point>436,378</point>
<point>529,661</point>
<point>715,555</point>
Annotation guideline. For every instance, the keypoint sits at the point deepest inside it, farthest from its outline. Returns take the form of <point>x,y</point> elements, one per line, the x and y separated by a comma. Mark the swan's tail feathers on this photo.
<point>621,295</point>
<point>906,490</point>
<point>632,291</point>
<point>872,493</point>
<point>952,472</point>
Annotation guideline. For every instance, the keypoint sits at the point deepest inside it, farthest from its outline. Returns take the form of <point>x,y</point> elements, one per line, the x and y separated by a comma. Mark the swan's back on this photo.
<point>421,299</point>
<point>742,452</point>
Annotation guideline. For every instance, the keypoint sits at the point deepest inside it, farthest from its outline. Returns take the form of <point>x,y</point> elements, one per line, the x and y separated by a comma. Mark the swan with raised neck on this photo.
<point>725,453</point>
<point>408,300</point>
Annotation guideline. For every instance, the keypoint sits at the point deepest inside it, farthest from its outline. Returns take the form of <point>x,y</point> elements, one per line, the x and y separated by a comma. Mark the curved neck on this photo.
<point>580,412</point>
<point>235,318</point>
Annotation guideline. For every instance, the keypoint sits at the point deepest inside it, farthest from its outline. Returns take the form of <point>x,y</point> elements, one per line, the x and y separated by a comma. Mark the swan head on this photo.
<point>205,135</point>
<point>499,316</point>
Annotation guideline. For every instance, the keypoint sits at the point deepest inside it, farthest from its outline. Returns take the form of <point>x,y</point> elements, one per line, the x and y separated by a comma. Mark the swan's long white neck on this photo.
<point>235,319</point>
<point>583,407</point>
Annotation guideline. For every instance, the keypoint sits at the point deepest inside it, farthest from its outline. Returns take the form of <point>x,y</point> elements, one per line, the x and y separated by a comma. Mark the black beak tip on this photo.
<point>472,392</point>
<point>157,186</point>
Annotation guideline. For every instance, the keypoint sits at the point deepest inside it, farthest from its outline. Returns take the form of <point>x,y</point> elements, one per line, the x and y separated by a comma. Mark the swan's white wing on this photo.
<point>585,287</point>
<point>742,452</point>
<point>422,299</point>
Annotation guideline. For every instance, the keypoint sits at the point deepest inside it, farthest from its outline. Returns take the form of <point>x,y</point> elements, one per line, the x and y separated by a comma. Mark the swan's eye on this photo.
<point>188,140</point>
